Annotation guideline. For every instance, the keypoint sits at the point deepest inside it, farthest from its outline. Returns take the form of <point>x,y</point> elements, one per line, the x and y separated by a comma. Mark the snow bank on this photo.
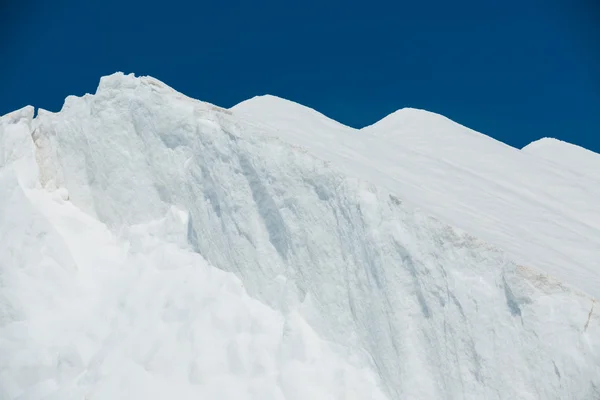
<point>326,285</point>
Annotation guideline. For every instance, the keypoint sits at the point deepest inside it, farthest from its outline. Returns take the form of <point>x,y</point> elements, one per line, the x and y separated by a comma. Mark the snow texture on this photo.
<point>155,246</point>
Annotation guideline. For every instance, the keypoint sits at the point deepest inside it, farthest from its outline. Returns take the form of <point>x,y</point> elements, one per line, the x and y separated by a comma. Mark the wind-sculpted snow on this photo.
<point>235,263</point>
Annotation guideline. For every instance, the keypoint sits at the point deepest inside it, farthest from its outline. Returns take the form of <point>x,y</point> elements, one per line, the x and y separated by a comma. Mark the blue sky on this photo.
<point>515,70</point>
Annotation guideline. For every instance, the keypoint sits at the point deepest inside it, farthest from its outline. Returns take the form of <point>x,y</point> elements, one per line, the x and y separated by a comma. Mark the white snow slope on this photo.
<point>153,246</point>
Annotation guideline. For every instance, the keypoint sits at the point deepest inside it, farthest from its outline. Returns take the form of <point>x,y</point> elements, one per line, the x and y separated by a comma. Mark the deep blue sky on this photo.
<point>515,70</point>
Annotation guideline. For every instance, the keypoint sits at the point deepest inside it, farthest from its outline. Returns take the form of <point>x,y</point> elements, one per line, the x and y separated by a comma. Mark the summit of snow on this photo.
<point>269,105</point>
<point>566,155</point>
<point>156,246</point>
<point>412,125</point>
<point>284,114</point>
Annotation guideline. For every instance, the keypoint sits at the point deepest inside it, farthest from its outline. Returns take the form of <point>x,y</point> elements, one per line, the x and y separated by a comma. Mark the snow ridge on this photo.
<point>224,254</point>
<point>542,213</point>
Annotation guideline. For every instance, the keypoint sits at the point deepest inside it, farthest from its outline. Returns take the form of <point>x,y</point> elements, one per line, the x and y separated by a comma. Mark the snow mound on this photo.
<point>180,250</point>
<point>567,155</point>
<point>284,112</point>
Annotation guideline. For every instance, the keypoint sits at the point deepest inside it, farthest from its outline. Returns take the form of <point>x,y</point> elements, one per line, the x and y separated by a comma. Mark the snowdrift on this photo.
<point>155,246</point>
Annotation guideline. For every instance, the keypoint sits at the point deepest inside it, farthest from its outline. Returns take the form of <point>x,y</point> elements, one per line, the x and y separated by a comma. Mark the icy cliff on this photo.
<point>155,246</point>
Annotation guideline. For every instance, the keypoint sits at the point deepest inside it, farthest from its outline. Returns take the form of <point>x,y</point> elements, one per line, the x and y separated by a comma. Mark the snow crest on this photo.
<point>182,250</point>
<point>567,155</point>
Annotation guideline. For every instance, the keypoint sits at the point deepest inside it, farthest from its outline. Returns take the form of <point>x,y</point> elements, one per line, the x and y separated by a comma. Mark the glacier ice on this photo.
<point>155,246</point>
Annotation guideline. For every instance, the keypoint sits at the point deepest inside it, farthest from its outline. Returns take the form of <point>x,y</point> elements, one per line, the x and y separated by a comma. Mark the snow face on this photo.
<point>17,152</point>
<point>183,250</point>
<point>85,313</point>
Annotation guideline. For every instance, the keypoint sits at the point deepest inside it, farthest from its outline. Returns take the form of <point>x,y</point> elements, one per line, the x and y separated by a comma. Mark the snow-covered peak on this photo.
<point>415,126</point>
<point>408,115</point>
<point>26,113</point>
<point>121,85</point>
<point>546,142</point>
<point>566,155</point>
<point>285,114</point>
<point>118,80</point>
